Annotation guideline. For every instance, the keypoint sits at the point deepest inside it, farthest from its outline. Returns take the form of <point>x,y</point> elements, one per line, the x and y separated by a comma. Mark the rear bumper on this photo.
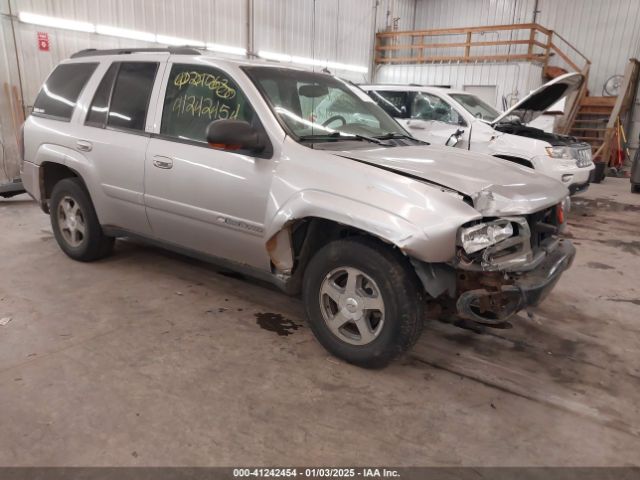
<point>496,304</point>
<point>31,179</point>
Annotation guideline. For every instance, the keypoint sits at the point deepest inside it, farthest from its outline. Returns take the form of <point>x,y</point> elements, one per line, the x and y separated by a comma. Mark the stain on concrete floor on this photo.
<point>275,322</point>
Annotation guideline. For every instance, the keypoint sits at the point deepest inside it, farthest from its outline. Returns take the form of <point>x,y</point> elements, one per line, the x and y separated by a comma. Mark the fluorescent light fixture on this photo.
<point>345,66</point>
<point>56,22</point>
<point>281,57</point>
<point>307,61</point>
<point>176,41</point>
<point>125,33</point>
<point>216,47</point>
<point>278,57</point>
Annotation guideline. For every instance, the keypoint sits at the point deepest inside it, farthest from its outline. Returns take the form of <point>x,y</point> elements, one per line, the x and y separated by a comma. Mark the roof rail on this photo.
<point>90,52</point>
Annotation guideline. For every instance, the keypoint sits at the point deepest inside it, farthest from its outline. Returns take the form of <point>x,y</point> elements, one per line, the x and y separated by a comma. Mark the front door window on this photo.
<point>195,97</point>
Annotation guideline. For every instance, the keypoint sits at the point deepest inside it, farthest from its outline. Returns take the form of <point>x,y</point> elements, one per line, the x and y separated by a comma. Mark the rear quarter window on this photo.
<point>59,93</point>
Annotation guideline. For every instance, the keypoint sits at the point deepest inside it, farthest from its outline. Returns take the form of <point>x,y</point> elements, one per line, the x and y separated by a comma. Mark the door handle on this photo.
<point>162,162</point>
<point>84,146</point>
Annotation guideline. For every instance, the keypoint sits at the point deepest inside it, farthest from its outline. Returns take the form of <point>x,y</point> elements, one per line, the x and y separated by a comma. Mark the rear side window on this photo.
<point>60,92</point>
<point>122,98</point>
<point>100,106</point>
<point>195,97</point>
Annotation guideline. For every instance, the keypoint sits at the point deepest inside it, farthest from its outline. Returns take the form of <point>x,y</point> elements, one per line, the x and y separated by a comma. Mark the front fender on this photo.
<point>376,221</point>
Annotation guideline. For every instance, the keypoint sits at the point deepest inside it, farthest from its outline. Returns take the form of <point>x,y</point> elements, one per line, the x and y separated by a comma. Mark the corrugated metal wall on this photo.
<point>464,13</point>
<point>336,30</point>
<point>219,21</point>
<point>607,32</point>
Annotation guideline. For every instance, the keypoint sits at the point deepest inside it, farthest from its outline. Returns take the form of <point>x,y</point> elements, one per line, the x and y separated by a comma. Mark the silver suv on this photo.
<point>295,177</point>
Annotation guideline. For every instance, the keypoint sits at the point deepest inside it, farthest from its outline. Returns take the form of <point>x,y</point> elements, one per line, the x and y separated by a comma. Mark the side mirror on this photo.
<point>234,135</point>
<point>454,139</point>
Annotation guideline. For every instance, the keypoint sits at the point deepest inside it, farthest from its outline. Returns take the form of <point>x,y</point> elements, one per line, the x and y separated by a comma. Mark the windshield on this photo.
<point>321,107</point>
<point>475,106</point>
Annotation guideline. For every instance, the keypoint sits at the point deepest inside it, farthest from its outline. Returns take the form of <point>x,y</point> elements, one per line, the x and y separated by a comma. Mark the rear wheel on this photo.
<point>635,188</point>
<point>75,224</point>
<point>363,302</point>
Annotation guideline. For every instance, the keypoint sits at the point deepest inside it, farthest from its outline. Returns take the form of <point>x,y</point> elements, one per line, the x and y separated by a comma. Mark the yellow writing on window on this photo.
<point>199,106</point>
<point>219,85</point>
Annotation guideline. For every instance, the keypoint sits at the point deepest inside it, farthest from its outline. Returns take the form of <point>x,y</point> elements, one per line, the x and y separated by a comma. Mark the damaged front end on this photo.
<point>491,297</point>
<point>506,264</point>
<point>503,265</point>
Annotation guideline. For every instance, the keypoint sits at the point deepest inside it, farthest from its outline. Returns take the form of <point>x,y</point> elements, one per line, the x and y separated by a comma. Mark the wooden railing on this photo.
<point>529,42</point>
<point>524,42</point>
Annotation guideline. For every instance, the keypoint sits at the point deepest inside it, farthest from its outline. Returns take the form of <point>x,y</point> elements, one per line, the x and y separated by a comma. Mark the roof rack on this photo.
<point>90,52</point>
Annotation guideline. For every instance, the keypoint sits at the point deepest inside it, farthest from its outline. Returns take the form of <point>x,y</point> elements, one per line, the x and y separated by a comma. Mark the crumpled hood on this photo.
<point>497,187</point>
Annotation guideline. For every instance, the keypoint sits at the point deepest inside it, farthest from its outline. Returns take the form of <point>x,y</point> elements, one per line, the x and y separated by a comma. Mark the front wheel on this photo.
<point>75,223</point>
<point>363,301</point>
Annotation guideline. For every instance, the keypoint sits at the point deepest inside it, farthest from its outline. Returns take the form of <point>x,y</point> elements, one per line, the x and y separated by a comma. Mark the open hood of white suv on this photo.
<point>539,100</point>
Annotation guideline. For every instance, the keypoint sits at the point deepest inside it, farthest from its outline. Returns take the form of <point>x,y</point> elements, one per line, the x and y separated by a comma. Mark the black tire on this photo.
<point>399,289</point>
<point>635,188</point>
<point>94,244</point>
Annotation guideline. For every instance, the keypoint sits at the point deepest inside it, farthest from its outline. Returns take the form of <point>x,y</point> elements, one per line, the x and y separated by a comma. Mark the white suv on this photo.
<point>444,116</point>
<point>260,168</point>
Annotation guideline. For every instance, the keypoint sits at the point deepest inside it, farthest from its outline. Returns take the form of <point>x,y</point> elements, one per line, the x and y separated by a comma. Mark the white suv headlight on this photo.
<point>483,235</point>
<point>565,153</point>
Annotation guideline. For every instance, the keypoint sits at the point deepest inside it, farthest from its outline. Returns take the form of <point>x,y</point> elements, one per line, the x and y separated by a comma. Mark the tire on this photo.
<point>635,188</point>
<point>385,278</point>
<point>81,236</point>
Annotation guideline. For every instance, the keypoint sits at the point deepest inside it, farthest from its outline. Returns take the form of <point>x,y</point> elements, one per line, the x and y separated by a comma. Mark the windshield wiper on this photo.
<point>393,136</point>
<point>341,136</point>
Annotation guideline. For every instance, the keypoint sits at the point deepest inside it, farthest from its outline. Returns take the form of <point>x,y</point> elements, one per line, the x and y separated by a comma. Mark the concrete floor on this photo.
<point>148,358</point>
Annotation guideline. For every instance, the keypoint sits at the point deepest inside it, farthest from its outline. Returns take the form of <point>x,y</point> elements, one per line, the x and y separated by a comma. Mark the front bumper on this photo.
<point>495,303</point>
<point>565,171</point>
<point>579,187</point>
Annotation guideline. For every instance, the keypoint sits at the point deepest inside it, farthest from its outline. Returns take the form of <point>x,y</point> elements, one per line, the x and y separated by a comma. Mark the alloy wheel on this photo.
<point>352,305</point>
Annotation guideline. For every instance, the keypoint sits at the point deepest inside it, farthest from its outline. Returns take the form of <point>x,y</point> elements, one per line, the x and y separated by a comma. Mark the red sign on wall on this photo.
<point>43,41</point>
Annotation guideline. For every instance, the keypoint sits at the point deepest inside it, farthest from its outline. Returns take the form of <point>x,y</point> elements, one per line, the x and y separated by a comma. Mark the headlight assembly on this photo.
<point>582,156</point>
<point>483,235</point>
<point>565,153</point>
